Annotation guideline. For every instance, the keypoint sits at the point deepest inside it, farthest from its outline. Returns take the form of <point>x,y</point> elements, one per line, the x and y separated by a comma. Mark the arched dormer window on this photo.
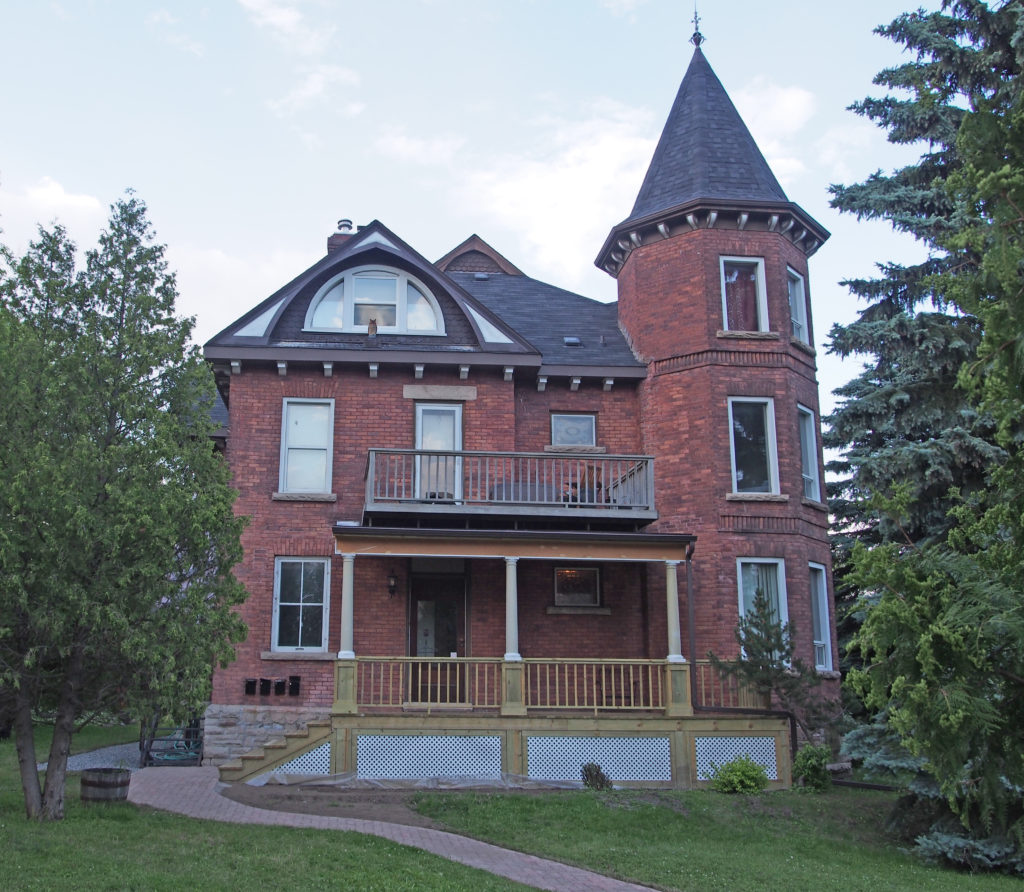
<point>398,303</point>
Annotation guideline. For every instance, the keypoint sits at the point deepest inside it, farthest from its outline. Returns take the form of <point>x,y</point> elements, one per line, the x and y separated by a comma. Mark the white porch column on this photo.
<point>675,640</point>
<point>347,622</point>
<point>511,611</point>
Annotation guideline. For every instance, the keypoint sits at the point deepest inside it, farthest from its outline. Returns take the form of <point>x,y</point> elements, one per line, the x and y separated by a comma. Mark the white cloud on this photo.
<point>398,144</point>
<point>563,196</point>
<point>164,22</point>
<point>45,203</point>
<point>316,87</point>
<point>287,24</point>
<point>775,116</point>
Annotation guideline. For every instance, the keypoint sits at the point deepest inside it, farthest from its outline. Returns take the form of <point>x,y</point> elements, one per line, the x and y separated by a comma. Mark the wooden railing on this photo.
<point>714,688</point>
<point>597,684</point>
<point>555,684</point>
<point>428,682</point>
<point>413,478</point>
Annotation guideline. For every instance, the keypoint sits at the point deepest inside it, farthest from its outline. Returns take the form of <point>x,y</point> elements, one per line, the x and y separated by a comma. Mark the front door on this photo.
<point>437,632</point>
<point>439,430</point>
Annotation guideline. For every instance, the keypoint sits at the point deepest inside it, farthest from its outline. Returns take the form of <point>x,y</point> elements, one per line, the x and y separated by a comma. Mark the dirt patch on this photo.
<point>392,806</point>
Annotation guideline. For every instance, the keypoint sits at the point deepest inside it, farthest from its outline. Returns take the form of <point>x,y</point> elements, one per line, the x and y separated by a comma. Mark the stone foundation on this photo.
<point>230,731</point>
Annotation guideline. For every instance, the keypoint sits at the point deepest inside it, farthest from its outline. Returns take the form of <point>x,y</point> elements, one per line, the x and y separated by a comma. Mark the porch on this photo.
<point>560,486</point>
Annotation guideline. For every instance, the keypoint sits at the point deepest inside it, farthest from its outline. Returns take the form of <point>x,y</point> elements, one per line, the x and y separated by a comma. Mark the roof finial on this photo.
<point>697,38</point>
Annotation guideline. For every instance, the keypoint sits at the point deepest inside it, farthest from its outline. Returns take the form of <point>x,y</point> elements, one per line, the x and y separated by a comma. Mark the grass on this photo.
<point>122,846</point>
<point>701,840</point>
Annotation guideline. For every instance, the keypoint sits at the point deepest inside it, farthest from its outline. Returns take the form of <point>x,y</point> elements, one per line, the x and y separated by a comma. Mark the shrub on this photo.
<point>594,778</point>
<point>810,765</point>
<point>741,775</point>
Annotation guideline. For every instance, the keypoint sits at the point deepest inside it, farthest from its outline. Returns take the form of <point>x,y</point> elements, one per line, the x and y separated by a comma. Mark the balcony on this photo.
<point>583,489</point>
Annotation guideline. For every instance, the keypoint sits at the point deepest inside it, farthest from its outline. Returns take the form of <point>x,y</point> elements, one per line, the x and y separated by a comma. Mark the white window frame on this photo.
<point>325,603</point>
<point>807,431</point>
<point>327,447</point>
<point>780,582</point>
<point>770,445</point>
<point>820,607</point>
<point>762,294</point>
<point>346,282</point>
<point>590,416</point>
<point>798,306</point>
<point>431,468</point>
<point>576,598</point>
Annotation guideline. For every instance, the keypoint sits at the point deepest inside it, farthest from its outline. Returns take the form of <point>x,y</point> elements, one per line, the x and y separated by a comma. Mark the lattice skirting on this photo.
<point>711,751</point>
<point>415,756</point>
<point>621,758</point>
<point>315,762</point>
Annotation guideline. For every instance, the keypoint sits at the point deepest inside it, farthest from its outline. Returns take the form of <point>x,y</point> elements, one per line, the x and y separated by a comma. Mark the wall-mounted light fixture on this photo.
<point>392,584</point>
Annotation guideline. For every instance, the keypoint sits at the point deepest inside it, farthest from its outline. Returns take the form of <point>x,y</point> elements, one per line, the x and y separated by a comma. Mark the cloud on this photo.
<point>163,21</point>
<point>562,195</point>
<point>775,116</point>
<point>401,146</point>
<point>315,88</point>
<point>287,25</point>
<point>45,203</point>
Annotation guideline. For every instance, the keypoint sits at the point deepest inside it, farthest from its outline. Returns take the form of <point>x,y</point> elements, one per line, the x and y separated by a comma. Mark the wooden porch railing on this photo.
<point>428,682</point>
<point>596,684</point>
<point>715,688</point>
<point>511,480</point>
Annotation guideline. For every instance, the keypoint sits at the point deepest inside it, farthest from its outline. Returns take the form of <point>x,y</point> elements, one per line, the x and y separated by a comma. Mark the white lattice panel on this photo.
<point>316,761</point>
<point>412,757</point>
<point>720,750</point>
<point>621,758</point>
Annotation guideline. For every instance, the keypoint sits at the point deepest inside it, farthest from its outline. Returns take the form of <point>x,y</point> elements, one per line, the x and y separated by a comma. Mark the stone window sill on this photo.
<point>804,348</point>
<point>829,674</point>
<point>755,497</point>
<point>594,611</point>
<point>584,450</point>
<point>304,497</point>
<point>297,655</point>
<point>813,503</point>
<point>749,335</point>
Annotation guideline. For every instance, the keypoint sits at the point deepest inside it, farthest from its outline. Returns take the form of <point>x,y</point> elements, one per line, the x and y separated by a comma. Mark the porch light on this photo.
<point>392,584</point>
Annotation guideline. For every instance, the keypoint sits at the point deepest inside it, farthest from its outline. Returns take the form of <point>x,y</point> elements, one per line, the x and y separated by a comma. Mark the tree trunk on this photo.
<point>60,748</point>
<point>25,742</point>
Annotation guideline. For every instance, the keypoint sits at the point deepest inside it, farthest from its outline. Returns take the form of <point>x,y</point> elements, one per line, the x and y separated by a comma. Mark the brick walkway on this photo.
<point>195,792</point>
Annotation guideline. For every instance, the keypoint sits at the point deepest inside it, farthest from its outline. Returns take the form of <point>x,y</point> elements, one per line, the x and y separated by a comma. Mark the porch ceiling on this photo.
<point>547,545</point>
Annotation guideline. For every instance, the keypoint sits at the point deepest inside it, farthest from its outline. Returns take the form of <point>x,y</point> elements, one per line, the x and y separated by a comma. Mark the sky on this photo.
<point>250,127</point>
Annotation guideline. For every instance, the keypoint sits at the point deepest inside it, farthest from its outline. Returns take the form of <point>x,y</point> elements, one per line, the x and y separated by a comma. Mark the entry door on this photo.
<point>439,428</point>
<point>437,631</point>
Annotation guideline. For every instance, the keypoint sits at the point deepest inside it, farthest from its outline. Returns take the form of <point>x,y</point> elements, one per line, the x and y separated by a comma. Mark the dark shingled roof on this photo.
<point>545,315</point>
<point>705,151</point>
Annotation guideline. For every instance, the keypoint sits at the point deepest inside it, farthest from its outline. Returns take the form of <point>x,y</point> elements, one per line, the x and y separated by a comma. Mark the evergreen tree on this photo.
<point>941,534</point>
<point>117,534</point>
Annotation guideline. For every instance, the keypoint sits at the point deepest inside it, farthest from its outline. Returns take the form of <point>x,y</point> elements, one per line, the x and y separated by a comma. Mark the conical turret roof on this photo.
<point>705,151</point>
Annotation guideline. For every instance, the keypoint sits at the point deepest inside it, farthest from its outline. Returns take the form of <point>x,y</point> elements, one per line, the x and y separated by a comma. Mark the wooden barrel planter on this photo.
<point>105,784</point>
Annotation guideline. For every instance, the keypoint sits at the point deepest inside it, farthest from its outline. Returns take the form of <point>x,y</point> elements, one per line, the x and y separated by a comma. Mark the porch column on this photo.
<point>347,623</point>
<point>675,640</point>
<point>512,611</point>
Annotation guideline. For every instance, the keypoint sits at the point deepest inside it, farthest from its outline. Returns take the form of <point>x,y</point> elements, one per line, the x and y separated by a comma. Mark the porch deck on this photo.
<point>613,489</point>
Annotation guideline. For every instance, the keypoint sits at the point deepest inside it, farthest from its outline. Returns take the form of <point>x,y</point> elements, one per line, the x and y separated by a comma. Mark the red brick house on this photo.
<point>496,526</point>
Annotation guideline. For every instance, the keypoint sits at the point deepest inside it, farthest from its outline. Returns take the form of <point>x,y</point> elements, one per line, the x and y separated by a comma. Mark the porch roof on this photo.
<point>540,545</point>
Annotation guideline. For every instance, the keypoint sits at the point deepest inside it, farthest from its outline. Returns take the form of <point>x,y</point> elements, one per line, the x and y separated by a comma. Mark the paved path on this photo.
<point>195,792</point>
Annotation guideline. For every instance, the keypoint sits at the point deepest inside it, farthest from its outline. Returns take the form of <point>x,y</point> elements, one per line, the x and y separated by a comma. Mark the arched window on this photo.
<point>393,300</point>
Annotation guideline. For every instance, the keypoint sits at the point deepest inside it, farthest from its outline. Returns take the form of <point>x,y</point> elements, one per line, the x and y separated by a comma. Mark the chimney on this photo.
<point>336,239</point>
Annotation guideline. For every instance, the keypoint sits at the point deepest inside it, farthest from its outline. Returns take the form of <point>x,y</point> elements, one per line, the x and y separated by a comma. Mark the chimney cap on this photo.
<point>345,226</point>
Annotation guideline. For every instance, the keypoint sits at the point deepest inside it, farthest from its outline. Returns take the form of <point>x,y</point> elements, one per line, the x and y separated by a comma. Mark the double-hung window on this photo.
<point>821,631</point>
<point>752,445</point>
<point>808,453</point>
<point>798,307</point>
<point>744,301</point>
<point>767,577</point>
<point>306,434</point>
<point>301,600</point>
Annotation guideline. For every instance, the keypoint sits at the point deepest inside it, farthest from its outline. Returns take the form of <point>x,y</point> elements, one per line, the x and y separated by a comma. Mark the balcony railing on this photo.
<point>592,685</point>
<point>510,483</point>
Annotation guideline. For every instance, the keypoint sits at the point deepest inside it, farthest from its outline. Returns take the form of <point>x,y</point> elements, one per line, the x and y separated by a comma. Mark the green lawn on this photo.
<point>120,846</point>
<point>703,840</point>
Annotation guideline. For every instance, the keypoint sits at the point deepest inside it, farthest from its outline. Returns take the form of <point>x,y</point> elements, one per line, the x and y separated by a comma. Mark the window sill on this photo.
<point>584,450</point>
<point>749,335</point>
<point>805,348</point>
<point>813,503</point>
<point>297,655</point>
<point>304,497</point>
<point>828,674</point>
<point>755,497</point>
<point>595,611</point>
